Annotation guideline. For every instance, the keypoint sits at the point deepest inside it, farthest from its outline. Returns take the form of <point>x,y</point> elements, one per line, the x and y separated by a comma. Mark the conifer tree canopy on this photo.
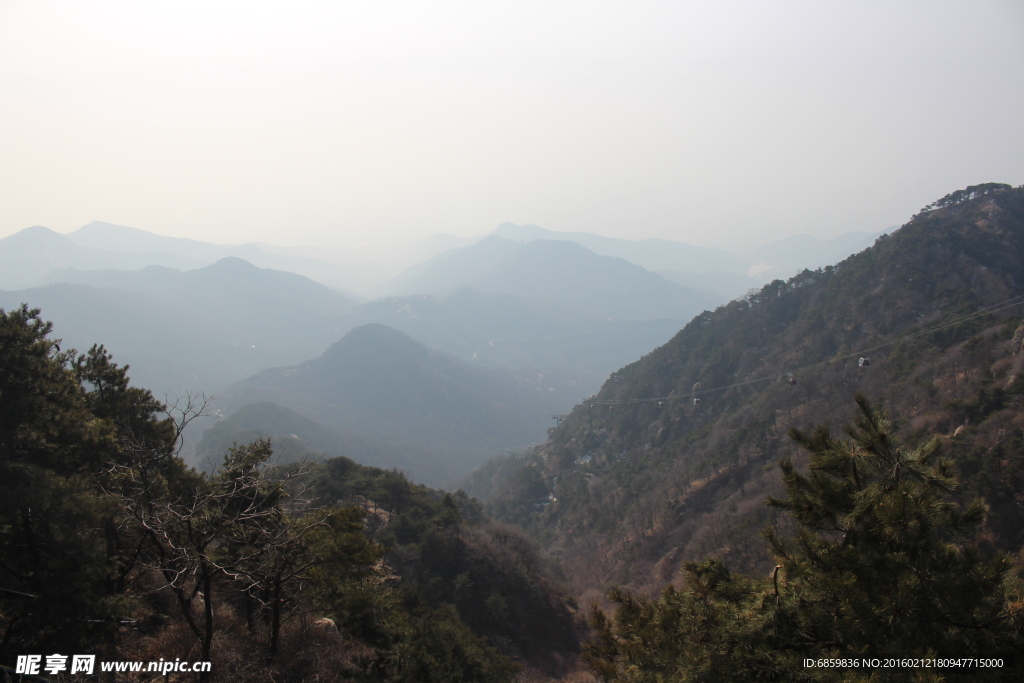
<point>111,544</point>
<point>881,566</point>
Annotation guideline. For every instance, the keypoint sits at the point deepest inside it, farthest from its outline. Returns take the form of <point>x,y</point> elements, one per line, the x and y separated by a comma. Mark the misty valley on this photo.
<point>528,456</point>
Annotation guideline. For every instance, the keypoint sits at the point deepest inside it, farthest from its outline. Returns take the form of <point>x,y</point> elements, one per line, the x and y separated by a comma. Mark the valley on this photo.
<point>578,437</point>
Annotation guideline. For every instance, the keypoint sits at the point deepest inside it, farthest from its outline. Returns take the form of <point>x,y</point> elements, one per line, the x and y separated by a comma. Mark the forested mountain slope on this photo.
<point>655,480</point>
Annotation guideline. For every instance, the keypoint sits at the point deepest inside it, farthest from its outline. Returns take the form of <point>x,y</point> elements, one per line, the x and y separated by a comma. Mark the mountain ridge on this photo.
<point>651,253</point>
<point>556,271</point>
<point>191,331</point>
<point>640,486</point>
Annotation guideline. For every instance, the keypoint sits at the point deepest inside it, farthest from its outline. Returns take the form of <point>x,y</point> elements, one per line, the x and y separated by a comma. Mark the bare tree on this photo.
<point>238,527</point>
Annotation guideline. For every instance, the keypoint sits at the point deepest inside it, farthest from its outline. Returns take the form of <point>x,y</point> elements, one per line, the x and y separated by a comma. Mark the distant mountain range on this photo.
<point>653,254</point>
<point>441,415</point>
<point>568,352</point>
<point>116,238</point>
<point>202,329</point>
<point>27,257</point>
<point>30,254</point>
<point>726,274</point>
<point>238,293</point>
<point>194,330</point>
<point>551,312</point>
<point>557,272</point>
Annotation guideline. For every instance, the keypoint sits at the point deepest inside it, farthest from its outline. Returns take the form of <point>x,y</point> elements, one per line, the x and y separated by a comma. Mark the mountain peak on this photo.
<point>104,227</point>
<point>233,264</point>
<point>375,339</point>
<point>121,238</point>
<point>36,234</point>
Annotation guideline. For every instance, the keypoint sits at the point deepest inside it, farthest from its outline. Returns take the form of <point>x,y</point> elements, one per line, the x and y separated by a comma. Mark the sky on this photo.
<point>339,123</point>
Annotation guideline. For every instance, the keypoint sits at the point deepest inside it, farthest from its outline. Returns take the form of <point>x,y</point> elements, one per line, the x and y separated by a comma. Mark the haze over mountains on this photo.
<point>645,477</point>
<point>712,269</point>
<point>557,272</point>
<point>653,254</point>
<point>567,391</point>
<point>440,415</point>
<point>537,311</point>
<point>191,330</point>
<point>29,255</point>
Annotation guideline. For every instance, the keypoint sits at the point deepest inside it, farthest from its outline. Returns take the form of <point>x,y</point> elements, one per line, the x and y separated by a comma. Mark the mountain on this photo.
<point>29,255</point>
<point>142,247</point>
<point>26,256</point>
<point>204,328</point>
<point>564,351</point>
<point>453,268</point>
<point>727,274</point>
<point>195,330</point>
<point>253,300</point>
<point>374,263</point>
<point>392,580</point>
<point>169,348</point>
<point>559,272</point>
<point>120,238</point>
<point>378,383</point>
<point>644,477</point>
<point>653,254</point>
<point>354,269</point>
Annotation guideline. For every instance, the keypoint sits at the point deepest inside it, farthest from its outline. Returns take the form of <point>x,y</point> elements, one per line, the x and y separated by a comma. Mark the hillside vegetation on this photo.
<point>641,479</point>
<point>710,505</point>
<point>331,572</point>
<point>881,581</point>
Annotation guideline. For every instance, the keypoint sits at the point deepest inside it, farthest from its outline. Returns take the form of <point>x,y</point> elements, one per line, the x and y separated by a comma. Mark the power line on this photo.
<point>1008,303</point>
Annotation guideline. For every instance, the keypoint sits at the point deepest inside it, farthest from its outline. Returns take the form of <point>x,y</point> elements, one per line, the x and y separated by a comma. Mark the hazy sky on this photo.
<point>335,122</point>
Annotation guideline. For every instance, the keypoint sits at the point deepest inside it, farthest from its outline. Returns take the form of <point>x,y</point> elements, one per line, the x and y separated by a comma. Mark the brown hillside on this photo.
<point>657,482</point>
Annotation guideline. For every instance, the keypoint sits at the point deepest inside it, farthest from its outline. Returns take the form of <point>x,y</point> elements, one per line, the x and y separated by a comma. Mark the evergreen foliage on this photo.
<point>882,566</point>
<point>58,531</point>
<point>448,554</point>
<point>110,544</point>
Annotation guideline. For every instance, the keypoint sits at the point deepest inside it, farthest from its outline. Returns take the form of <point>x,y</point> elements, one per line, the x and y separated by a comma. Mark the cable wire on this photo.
<point>1008,303</point>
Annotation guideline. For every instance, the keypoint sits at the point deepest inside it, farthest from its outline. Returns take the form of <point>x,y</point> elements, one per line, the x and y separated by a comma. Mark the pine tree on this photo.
<point>882,566</point>
<point>59,564</point>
